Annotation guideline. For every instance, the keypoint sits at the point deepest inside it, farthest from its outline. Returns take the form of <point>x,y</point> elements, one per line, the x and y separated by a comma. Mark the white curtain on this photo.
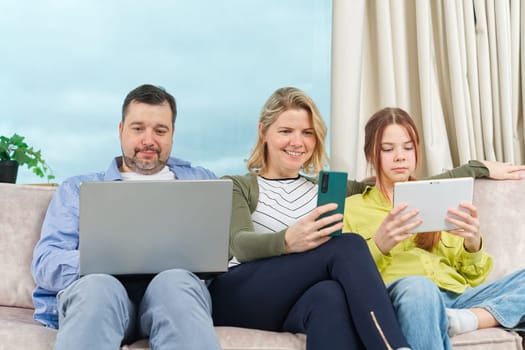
<point>455,66</point>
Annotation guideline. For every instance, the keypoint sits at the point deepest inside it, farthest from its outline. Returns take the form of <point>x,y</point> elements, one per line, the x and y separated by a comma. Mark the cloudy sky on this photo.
<point>68,64</point>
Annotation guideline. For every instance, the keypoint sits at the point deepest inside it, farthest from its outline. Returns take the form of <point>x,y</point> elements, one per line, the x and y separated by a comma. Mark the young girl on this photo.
<point>435,280</point>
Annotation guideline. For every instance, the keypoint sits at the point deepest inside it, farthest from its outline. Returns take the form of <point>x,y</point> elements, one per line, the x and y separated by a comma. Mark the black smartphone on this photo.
<point>332,189</point>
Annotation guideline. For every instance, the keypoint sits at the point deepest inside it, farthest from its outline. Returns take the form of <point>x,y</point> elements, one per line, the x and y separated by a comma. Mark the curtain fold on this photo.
<point>483,51</point>
<point>517,123</point>
<point>347,27</point>
<point>455,66</point>
<point>503,48</point>
<point>432,121</point>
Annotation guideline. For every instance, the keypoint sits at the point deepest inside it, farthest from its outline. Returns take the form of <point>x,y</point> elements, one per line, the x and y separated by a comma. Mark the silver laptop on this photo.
<point>145,227</point>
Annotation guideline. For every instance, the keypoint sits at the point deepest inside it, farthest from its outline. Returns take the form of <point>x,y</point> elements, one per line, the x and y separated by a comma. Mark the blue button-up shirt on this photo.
<point>56,258</point>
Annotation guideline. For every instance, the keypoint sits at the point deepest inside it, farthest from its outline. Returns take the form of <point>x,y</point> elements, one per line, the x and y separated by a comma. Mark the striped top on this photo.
<point>282,202</point>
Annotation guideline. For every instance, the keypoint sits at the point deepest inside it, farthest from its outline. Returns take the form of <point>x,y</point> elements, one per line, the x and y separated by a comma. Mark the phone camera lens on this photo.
<point>324,183</point>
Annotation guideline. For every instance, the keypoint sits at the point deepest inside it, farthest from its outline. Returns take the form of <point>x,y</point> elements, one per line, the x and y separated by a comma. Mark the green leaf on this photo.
<point>14,148</point>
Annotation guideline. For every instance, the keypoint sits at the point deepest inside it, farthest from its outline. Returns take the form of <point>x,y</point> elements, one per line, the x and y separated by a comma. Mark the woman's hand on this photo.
<point>395,228</point>
<point>503,171</point>
<point>468,226</point>
<point>310,231</point>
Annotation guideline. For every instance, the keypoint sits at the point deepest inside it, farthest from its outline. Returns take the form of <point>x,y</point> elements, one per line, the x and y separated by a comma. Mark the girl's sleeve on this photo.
<point>474,267</point>
<point>473,168</point>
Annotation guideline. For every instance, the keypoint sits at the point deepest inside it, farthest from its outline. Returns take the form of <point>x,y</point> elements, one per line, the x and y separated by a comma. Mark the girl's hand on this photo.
<point>468,226</point>
<point>310,231</point>
<point>395,228</point>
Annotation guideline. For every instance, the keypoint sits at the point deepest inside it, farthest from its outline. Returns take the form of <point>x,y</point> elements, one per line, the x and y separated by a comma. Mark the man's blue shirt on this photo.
<point>55,258</point>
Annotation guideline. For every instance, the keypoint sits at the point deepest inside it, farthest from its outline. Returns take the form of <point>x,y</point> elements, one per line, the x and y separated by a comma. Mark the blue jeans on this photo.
<point>420,310</point>
<point>95,312</point>
<point>333,294</point>
<point>420,306</point>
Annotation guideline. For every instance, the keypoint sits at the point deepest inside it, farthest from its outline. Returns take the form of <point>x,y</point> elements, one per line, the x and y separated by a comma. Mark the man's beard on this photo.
<point>141,166</point>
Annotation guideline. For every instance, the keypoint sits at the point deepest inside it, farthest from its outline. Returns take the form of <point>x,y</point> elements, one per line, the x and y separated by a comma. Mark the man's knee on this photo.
<point>96,288</point>
<point>91,294</point>
<point>175,277</point>
<point>176,292</point>
<point>176,284</point>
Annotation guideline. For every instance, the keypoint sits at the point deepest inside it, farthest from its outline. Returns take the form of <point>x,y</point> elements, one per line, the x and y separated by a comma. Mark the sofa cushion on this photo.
<point>489,338</point>
<point>501,216</point>
<point>22,210</point>
<point>18,330</point>
<point>22,332</point>
<point>234,338</point>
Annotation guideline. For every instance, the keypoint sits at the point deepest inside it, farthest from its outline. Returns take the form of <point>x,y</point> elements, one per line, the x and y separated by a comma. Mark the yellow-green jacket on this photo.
<point>449,265</point>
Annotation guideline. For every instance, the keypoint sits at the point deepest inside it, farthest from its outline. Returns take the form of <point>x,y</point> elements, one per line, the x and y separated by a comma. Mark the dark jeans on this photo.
<point>333,294</point>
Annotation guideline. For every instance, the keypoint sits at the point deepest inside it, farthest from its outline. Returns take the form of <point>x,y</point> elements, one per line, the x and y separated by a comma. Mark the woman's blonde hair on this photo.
<point>281,100</point>
<point>374,129</point>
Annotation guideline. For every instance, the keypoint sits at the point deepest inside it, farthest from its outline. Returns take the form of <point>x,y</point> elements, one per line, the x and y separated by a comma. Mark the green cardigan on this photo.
<point>247,245</point>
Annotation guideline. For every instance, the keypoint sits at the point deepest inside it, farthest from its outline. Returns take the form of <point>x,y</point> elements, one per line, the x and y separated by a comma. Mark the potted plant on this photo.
<point>14,152</point>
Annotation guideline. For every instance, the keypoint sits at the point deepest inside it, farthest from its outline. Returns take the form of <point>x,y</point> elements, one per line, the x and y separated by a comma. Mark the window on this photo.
<point>67,66</point>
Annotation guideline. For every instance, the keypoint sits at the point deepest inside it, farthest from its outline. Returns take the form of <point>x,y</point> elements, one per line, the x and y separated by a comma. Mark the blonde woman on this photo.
<point>287,273</point>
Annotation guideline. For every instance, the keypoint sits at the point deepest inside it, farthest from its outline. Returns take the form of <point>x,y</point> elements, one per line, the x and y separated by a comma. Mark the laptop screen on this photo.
<point>143,227</point>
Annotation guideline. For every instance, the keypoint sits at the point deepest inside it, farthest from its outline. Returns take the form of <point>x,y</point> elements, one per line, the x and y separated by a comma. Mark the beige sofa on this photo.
<point>22,208</point>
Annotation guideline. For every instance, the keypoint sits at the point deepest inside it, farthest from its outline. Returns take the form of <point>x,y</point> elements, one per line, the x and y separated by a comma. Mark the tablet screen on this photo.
<point>433,198</point>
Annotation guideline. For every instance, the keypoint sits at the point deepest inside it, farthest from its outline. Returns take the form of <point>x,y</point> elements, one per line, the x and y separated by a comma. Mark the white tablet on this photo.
<point>433,198</point>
